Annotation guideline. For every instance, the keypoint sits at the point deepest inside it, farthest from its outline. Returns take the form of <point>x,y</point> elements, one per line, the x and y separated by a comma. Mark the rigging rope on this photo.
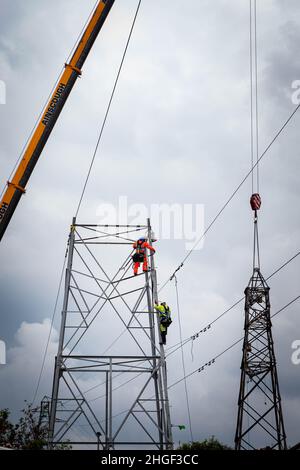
<point>108,108</point>
<point>251,96</point>
<point>89,171</point>
<point>183,361</point>
<point>255,198</point>
<point>256,94</point>
<point>51,327</point>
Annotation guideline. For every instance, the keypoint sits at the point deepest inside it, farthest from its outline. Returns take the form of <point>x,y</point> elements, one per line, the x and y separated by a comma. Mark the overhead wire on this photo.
<point>93,159</point>
<point>108,108</point>
<point>206,328</point>
<point>213,360</point>
<point>219,213</point>
<point>250,172</point>
<point>226,203</point>
<point>183,362</point>
<point>209,325</point>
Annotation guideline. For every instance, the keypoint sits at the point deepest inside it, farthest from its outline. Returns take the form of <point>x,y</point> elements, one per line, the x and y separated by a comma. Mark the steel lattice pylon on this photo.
<point>260,420</point>
<point>95,306</point>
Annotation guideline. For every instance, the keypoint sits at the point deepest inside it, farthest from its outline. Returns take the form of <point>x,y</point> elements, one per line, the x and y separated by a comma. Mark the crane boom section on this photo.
<point>16,187</point>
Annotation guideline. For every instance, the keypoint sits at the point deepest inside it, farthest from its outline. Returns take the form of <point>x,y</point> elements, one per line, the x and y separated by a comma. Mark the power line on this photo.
<point>108,107</point>
<point>226,203</point>
<point>213,360</point>
<point>232,195</point>
<point>209,325</point>
<point>91,165</point>
<point>224,207</point>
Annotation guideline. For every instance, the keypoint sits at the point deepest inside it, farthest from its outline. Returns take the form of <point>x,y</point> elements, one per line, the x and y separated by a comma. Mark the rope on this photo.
<point>183,361</point>
<point>108,108</point>
<point>51,327</point>
<point>256,254</point>
<point>254,122</point>
<point>254,92</point>
<point>251,96</point>
<point>256,95</point>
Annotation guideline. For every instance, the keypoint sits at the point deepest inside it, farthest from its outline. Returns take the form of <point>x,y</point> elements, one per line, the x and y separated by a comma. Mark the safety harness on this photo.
<point>139,254</point>
<point>166,316</point>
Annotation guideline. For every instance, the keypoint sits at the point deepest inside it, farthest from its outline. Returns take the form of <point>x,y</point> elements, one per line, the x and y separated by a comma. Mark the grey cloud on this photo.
<point>181,112</point>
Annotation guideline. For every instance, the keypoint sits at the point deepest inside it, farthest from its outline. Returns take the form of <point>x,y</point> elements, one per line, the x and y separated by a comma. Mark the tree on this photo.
<point>208,444</point>
<point>26,434</point>
<point>7,429</point>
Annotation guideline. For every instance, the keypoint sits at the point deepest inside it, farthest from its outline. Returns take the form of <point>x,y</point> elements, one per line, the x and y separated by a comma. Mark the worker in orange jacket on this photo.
<point>140,255</point>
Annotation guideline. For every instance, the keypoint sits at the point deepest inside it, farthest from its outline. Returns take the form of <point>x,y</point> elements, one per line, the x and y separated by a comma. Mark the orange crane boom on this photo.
<point>16,187</point>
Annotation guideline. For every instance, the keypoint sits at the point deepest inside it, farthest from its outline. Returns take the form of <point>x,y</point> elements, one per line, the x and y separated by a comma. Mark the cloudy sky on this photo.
<point>178,132</point>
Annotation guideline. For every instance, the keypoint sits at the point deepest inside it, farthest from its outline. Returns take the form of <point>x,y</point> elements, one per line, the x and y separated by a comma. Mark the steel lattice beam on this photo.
<point>260,420</point>
<point>90,292</point>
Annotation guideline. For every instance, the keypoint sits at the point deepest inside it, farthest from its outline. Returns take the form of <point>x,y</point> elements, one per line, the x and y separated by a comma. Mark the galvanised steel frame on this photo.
<point>90,291</point>
<point>260,420</point>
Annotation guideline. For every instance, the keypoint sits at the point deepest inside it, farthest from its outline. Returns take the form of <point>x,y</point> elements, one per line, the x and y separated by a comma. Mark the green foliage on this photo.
<point>7,429</point>
<point>208,444</point>
<point>26,434</point>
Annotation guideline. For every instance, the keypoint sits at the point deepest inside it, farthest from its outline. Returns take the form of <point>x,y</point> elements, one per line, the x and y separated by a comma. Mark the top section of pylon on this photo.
<point>255,202</point>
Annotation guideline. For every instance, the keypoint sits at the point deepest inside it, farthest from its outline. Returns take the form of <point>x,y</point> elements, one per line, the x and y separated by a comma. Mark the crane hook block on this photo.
<point>255,202</point>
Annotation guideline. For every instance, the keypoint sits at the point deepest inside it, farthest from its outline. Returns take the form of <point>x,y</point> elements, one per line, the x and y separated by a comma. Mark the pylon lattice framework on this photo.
<point>260,420</point>
<point>95,305</point>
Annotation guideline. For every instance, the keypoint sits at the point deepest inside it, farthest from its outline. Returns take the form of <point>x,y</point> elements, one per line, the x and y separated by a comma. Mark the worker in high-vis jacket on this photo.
<point>164,319</point>
<point>140,255</point>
